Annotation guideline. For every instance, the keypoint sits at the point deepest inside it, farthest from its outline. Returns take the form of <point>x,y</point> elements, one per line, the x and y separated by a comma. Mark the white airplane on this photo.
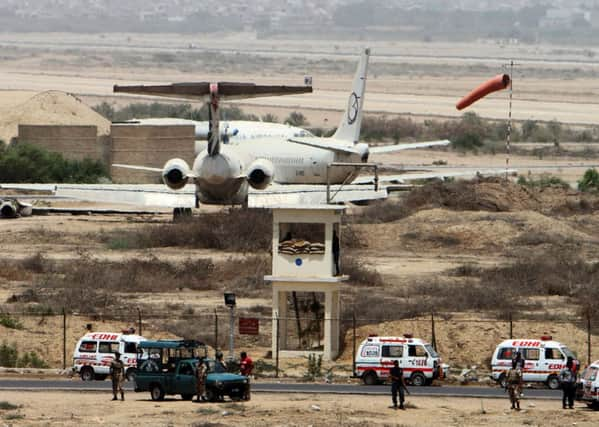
<point>230,130</point>
<point>224,173</point>
<point>260,171</point>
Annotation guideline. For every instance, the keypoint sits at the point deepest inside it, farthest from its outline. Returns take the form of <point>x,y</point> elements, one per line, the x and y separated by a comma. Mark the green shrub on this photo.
<point>543,181</point>
<point>7,406</point>
<point>28,163</point>
<point>9,358</point>
<point>296,119</point>
<point>589,181</point>
<point>8,355</point>
<point>314,367</point>
<point>9,322</point>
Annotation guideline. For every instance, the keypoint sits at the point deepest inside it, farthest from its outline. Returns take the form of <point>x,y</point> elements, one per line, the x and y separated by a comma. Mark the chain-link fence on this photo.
<point>461,340</point>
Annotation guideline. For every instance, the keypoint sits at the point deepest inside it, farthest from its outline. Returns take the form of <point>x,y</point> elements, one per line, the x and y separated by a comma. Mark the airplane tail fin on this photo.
<point>349,127</point>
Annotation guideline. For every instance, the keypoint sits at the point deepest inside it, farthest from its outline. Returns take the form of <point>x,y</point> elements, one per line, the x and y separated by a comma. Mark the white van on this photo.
<point>590,385</point>
<point>543,360</point>
<point>420,362</point>
<point>95,350</point>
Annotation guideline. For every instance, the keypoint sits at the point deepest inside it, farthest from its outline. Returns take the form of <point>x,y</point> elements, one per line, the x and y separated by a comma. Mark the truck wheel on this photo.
<point>211,395</point>
<point>553,382</point>
<point>157,392</point>
<point>187,396</point>
<point>130,374</point>
<point>86,373</point>
<point>418,379</point>
<point>370,378</point>
<point>502,381</point>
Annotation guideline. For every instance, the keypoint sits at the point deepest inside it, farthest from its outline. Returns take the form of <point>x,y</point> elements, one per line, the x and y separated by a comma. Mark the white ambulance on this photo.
<point>95,350</point>
<point>590,385</point>
<point>543,360</point>
<point>420,362</point>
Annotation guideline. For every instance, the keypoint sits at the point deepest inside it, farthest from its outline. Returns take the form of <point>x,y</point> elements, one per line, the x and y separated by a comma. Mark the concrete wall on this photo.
<point>74,142</point>
<point>148,145</point>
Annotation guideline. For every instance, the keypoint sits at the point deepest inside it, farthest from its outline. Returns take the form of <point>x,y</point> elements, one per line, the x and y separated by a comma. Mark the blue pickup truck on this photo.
<point>168,367</point>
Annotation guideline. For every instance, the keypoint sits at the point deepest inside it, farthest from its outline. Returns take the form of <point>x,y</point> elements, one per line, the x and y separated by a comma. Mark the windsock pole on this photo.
<point>509,122</point>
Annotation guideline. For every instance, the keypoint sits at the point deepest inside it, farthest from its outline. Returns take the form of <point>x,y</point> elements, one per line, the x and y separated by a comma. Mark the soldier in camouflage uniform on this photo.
<point>117,372</point>
<point>201,373</point>
<point>513,380</point>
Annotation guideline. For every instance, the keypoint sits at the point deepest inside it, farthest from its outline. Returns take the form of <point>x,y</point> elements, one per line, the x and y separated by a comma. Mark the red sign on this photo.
<point>249,326</point>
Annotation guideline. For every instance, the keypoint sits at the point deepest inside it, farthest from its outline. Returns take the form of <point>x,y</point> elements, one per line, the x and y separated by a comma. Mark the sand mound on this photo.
<point>470,231</point>
<point>50,108</point>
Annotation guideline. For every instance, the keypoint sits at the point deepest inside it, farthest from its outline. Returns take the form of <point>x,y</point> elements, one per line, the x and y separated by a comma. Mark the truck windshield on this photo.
<point>431,351</point>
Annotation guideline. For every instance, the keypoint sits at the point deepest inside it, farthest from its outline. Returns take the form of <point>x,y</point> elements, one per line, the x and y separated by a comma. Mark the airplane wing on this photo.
<point>407,177</point>
<point>201,90</point>
<point>295,194</point>
<point>155,195</point>
<point>159,196</point>
<point>326,144</point>
<point>383,149</point>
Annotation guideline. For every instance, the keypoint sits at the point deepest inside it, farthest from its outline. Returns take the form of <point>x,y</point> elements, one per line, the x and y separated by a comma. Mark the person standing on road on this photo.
<point>398,385</point>
<point>567,377</point>
<point>117,373</point>
<point>519,361</point>
<point>220,365</point>
<point>201,374</point>
<point>246,364</point>
<point>513,380</point>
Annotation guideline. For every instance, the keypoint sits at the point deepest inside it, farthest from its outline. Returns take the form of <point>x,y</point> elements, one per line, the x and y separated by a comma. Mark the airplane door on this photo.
<point>316,167</point>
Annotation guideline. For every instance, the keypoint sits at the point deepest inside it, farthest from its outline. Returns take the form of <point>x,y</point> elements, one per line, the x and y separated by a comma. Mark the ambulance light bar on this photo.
<point>546,338</point>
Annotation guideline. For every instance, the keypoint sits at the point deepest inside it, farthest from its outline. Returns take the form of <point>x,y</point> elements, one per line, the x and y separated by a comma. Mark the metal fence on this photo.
<point>460,340</point>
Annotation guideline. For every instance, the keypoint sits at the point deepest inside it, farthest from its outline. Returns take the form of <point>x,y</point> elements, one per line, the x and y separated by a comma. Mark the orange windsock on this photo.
<point>496,83</point>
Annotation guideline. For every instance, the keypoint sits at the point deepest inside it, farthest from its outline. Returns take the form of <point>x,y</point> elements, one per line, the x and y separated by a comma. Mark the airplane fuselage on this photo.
<point>221,178</point>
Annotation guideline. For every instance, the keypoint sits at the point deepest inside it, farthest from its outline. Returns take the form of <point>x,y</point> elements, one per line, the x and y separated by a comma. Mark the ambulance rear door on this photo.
<point>389,353</point>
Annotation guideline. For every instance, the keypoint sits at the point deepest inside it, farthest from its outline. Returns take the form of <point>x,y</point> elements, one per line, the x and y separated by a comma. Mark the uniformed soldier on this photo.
<point>398,385</point>
<point>117,372</point>
<point>201,374</point>
<point>514,385</point>
<point>219,364</point>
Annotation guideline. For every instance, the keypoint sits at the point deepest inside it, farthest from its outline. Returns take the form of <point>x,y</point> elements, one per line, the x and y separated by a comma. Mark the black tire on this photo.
<point>502,381</point>
<point>553,382</point>
<point>87,374</point>
<point>211,395</point>
<point>187,396</point>
<point>130,374</point>
<point>370,378</point>
<point>418,379</point>
<point>156,392</point>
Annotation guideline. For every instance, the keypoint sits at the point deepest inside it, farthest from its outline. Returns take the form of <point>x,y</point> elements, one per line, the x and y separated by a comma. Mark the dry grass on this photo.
<point>238,230</point>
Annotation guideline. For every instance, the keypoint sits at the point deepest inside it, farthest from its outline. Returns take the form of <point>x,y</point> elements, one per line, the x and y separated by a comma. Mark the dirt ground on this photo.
<point>75,409</point>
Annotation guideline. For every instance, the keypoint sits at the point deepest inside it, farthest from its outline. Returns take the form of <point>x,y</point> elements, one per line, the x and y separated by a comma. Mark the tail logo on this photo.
<point>353,106</point>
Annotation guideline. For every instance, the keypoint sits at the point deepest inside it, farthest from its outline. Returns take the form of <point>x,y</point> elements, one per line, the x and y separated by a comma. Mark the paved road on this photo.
<point>474,391</point>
